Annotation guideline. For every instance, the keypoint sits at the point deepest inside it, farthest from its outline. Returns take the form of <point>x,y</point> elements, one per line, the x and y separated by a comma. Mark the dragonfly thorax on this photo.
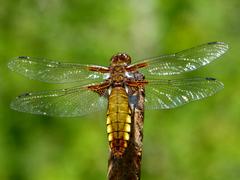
<point>120,59</point>
<point>117,75</point>
<point>119,62</point>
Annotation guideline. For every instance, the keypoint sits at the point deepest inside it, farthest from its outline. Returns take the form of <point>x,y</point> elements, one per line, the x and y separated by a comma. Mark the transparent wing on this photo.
<point>186,60</point>
<point>64,103</point>
<point>167,94</point>
<point>55,72</point>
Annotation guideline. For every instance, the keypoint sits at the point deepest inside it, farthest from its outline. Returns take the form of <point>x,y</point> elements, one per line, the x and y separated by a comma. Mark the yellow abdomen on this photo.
<point>118,121</point>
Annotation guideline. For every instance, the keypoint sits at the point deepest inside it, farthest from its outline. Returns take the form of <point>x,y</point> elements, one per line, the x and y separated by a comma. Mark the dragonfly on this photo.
<point>115,88</point>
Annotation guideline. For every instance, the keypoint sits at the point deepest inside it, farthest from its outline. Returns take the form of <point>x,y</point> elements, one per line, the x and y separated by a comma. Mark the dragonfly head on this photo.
<point>120,59</point>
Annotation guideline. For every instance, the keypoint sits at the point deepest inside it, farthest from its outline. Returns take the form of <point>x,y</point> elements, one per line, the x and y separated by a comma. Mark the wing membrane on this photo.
<point>64,103</point>
<point>167,94</point>
<point>186,60</point>
<point>54,72</point>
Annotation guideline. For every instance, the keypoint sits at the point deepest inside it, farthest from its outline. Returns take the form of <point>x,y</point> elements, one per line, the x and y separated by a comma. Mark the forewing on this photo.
<point>55,72</point>
<point>186,60</point>
<point>167,94</point>
<point>64,103</point>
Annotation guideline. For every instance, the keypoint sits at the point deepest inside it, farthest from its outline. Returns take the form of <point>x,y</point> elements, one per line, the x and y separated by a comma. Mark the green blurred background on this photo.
<point>199,141</point>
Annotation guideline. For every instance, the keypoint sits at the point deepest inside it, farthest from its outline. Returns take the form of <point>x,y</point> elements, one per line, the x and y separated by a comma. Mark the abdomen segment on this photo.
<point>118,121</point>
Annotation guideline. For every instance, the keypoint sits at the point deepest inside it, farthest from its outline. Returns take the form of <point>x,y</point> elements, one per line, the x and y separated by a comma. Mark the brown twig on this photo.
<point>128,167</point>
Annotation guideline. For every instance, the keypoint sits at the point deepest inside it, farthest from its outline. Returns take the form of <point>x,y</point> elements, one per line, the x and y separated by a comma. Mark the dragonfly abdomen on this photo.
<point>118,121</point>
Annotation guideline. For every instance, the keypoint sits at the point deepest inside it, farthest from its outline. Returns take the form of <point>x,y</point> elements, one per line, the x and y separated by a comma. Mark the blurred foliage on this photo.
<point>197,141</point>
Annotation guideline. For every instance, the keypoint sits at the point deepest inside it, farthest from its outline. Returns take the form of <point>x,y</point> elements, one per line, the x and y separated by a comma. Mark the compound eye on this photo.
<point>127,58</point>
<point>114,59</point>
